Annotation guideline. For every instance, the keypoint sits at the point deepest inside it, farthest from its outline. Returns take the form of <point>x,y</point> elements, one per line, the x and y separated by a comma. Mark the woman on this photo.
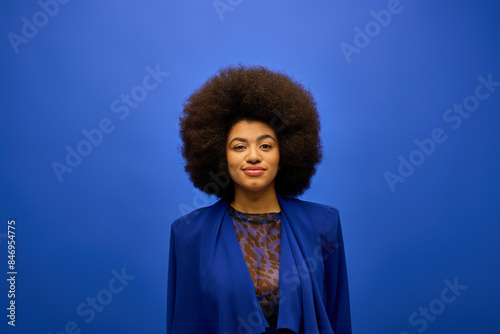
<point>259,260</point>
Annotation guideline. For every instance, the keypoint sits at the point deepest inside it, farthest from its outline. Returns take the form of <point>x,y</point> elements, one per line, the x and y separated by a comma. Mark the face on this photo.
<point>253,156</point>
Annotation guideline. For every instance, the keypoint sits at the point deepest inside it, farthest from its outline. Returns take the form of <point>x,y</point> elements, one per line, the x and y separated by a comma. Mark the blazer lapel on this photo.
<point>228,284</point>
<point>301,269</point>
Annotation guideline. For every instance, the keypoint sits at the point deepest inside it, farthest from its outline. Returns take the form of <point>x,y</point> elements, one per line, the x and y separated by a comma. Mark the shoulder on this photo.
<point>200,218</point>
<point>325,218</point>
<point>312,207</point>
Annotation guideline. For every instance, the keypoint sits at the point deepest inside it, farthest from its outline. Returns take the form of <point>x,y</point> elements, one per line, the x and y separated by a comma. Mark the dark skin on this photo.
<point>250,93</point>
<point>253,162</point>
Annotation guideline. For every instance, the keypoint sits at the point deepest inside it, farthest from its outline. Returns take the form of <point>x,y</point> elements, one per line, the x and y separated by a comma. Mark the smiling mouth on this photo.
<point>253,171</point>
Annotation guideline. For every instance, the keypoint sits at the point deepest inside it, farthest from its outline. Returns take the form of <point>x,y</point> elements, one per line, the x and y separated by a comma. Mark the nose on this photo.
<point>253,155</point>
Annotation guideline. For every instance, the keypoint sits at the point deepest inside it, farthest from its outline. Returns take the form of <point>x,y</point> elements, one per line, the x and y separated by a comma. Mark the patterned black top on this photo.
<point>259,235</point>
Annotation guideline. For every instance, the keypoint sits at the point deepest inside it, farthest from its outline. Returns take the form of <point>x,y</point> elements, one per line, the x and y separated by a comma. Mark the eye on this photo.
<point>239,147</point>
<point>266,146</point>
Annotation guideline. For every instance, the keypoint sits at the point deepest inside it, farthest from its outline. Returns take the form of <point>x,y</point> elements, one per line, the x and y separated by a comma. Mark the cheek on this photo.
<point>233,164</point>
<point>276,160</point>
<point>231,160</point>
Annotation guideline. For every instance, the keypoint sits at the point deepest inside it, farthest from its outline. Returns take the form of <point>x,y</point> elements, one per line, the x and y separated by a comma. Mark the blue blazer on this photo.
<point>210,289</point>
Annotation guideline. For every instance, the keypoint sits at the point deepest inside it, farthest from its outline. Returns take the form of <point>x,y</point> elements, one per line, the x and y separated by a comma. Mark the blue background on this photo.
<point>114,210</point>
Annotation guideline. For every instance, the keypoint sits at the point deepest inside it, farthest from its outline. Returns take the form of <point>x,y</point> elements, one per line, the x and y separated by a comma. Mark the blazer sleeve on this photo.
<point>171,282</point>
<point>336,285</point>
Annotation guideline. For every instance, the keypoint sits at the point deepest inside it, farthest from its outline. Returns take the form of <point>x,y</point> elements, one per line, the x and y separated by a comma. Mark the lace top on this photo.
<point>259,235</point>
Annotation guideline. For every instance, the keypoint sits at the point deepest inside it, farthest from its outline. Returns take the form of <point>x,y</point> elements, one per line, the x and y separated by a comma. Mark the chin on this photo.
<point>256,189</point>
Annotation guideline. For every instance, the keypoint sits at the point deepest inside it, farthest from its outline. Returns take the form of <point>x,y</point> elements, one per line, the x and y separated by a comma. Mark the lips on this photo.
<point>254,171</point>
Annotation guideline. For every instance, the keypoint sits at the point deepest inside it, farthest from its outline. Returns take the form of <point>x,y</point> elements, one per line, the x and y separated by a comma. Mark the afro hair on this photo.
<point>250,93</point>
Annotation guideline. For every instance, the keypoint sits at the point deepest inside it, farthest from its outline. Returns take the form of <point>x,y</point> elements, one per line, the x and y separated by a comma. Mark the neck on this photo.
<point>252,202</point>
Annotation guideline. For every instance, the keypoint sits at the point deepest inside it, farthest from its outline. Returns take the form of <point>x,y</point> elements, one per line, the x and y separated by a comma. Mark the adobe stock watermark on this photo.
<point>453,117</point>
<point>223,6</point>
<point>121,107</point>
<point>280,120</point>
<point>30,27</point>
<point>372,28</point>
<point>421,318</point>
<point>219,181</point>
<point>87,309</point>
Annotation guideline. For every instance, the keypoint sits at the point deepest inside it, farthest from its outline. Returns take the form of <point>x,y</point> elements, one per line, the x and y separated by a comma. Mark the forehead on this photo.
<point>250,129</point>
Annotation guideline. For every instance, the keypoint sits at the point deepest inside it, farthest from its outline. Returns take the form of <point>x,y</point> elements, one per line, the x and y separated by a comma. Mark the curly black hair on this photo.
<point>238,93</point>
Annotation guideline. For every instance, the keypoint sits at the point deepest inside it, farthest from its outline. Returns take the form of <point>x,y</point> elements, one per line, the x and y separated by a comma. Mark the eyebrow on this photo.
<point>258,139</point>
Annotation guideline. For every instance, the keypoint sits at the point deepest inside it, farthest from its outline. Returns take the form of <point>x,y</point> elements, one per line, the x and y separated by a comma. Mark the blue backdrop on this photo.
<point>409,97</point>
